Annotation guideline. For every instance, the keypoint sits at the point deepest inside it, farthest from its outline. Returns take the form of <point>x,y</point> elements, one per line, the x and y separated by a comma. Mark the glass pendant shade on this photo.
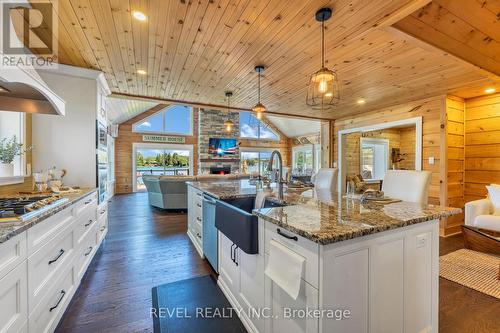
<point>259,108</point>
<point>228,125</point>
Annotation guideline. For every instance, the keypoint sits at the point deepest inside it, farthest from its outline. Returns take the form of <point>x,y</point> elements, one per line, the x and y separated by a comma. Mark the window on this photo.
<point>374,158</point>
<point>254,161</point>
<point>156,160</point>
<point>304,160</point>
<point>253,128</point>
<point>175,119</point>
<point>12,124</point>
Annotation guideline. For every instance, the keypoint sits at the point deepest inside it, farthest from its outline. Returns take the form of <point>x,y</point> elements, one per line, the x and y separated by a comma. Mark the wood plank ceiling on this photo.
<point>194,50</point>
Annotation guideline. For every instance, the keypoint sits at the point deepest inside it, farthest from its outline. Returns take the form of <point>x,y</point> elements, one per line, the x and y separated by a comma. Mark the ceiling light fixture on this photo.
<point>361,101</point>
<point>490,90</point>
<point>139,15</point>
<point>259,108</point>
<point>228,124</point>
<point>141,72</point>
<point>323,90</point>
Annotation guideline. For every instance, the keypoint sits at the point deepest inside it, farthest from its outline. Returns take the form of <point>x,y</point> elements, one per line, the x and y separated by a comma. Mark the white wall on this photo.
<point>68,142</point>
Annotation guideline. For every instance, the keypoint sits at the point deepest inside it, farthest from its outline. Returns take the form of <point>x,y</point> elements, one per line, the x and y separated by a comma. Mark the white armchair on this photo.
<point>479,214</point>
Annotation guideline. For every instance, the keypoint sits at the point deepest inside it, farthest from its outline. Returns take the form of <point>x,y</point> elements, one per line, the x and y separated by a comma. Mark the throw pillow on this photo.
<point>494,194</point>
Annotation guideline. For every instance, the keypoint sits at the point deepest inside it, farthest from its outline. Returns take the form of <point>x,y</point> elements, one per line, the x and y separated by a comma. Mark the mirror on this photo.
<point>369,154</point>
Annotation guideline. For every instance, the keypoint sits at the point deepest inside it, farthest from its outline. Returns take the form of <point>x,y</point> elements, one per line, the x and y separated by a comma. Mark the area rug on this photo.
<point>193,305</point>
<point>476,270</point>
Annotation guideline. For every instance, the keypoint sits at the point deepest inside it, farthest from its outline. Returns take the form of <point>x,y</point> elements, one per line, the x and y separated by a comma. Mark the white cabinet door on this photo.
<point>287,314</point>
<point>229,270</point>
<point>14,300</point>
<point>252,285</point>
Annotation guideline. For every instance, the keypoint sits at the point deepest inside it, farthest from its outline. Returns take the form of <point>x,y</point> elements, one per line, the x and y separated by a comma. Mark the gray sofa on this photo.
<point>170,192</point>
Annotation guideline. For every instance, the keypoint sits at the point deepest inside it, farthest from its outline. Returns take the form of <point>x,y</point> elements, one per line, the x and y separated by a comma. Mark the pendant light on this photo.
<point>228,124</point>
<point>323,90</point>
<point>259,108</point>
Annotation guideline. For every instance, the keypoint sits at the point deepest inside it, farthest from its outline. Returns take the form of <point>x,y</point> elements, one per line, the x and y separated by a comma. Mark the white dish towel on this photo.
<point>261,196</point>
<point>285,267</point>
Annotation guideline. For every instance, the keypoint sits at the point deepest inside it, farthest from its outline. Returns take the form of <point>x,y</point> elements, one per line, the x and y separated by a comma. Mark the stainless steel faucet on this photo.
<point>280,180</point>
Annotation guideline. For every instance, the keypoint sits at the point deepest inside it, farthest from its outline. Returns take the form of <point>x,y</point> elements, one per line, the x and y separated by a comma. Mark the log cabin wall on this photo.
<point>407,148</point>
<point>124,148</point>
<point>432,112</point>
<point>455,163</point>
<point>482,145</point>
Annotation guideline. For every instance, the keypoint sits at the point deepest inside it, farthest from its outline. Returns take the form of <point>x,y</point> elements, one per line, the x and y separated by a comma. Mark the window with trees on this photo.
<point>253,128</point>
<point>174,119</point>
<point>254,161</point>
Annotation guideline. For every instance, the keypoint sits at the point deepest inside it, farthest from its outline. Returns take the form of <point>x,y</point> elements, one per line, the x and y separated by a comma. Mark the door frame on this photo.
<point>342,134</point>
<point>167,146</point>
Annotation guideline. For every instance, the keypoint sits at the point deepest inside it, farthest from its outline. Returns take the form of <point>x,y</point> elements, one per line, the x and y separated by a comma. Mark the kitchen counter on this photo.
<point>325,217</point>
<point>11,229</point>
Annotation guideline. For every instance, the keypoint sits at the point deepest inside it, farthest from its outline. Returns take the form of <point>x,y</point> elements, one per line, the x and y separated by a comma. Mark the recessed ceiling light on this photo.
<point>139,15</point>
<point>141,72</point>
<point>361,101</point>
<point>489,90</point>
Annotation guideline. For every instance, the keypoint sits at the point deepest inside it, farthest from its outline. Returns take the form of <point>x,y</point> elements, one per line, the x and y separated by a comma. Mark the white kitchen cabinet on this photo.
<point>195,218</point>
<point>282,308</point>
<point>229,270</point>
<point>46,264</point>
<point>14,300</point>
<point>40,269</point>
<point>12,253</point>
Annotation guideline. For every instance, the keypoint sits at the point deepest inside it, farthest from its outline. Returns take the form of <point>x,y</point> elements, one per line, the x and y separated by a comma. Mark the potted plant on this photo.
<point>9,149</point>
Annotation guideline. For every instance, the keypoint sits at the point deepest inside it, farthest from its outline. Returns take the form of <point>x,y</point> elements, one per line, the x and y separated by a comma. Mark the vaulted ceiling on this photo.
<point>194,50</point>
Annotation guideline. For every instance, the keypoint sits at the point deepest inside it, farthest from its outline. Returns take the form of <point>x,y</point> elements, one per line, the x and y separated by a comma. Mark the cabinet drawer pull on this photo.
<point>90,250</point>
<point>103,228</point>
<point>198,194</point>
<point>88,201</point>
<point>102,211</point>
<point>198,218</point>
<point>198,235</point>
<point>61,252</point>
<point>295,238</point>
<point>59,301</point>
<point>88,223</point>
<point>198,204</point>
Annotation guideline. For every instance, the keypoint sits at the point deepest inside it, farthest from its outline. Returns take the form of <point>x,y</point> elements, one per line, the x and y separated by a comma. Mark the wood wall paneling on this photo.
<point>455,153</point>
<point>482,145</point>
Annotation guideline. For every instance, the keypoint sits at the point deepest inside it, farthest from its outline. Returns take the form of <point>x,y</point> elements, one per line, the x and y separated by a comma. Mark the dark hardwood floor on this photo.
<point>146,247</point>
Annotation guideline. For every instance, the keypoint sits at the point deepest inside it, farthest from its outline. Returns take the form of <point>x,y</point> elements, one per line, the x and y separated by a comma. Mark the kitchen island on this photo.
<point>367,267</point>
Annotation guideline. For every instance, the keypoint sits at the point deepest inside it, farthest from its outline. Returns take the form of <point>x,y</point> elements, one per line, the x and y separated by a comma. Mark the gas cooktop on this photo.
<point>23,208</point>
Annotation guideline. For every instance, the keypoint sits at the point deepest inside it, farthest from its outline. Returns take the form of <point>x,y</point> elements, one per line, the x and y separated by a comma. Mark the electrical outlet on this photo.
<point>431,160</point>
<point>421,241</point>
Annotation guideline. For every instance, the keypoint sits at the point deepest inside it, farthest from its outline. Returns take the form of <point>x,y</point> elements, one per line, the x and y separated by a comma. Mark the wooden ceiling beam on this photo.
<point>450,32</point>
<point>205,105</point>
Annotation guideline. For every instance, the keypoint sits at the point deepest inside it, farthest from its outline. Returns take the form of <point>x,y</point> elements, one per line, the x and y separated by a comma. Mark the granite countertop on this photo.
<point>11,229</point>
<point>326,217</point>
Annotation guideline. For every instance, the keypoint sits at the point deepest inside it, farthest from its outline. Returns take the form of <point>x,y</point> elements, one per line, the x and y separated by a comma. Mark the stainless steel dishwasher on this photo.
<point>210,242</point>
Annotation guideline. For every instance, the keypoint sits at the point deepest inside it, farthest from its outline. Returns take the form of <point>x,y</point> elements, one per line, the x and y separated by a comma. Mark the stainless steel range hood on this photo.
<point>22,90</point>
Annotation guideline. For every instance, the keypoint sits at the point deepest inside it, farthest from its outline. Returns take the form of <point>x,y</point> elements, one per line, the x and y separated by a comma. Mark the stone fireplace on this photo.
<point>211,125</point>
